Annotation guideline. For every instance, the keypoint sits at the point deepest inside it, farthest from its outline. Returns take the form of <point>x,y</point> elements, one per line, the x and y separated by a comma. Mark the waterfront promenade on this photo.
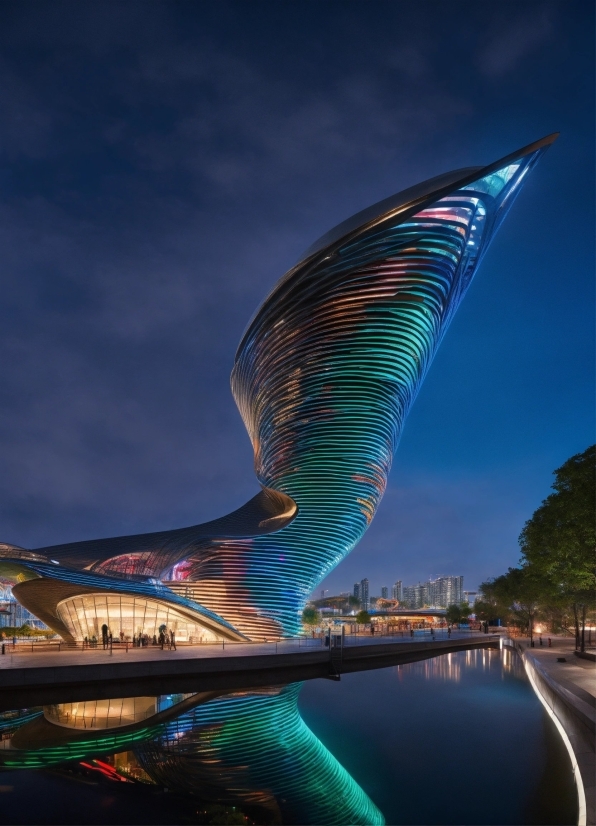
<point>60,676</point>
<point>568,692</point>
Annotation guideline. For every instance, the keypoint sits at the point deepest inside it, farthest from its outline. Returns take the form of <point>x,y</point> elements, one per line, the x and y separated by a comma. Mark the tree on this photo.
<point>26,631</point>
<point>310,616</point>
<point>559,541</point>
<point>490,604</point>
<point>362,617</point>
<point>524,591</point>
<point>455,614</point>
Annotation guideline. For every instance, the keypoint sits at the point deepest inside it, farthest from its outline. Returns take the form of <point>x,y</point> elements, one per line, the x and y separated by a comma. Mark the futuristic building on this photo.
<point>324,377</point>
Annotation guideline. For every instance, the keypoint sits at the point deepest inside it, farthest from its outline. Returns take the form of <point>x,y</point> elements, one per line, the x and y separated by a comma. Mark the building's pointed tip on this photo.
<point>547,140</point>
<point>531,149</point>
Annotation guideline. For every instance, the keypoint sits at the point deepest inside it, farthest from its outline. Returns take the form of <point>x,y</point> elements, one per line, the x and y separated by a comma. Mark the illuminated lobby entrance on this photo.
<point>129,616</point>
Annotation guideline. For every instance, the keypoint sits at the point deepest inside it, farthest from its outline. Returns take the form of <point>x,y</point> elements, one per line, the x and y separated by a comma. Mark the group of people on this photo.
<point>140,640</point>
<point>166,638</point>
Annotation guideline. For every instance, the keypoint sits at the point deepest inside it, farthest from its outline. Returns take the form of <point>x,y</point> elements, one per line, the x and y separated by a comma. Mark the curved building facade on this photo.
<point>324,377</point>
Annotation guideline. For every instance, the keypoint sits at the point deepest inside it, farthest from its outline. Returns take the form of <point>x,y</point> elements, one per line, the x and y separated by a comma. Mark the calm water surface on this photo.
<point>458,739</point>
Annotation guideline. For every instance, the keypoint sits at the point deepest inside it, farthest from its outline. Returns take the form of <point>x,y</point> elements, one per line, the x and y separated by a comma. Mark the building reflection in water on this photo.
<point>102,714</point>
<point>247,749</point>
<point>449,667</point>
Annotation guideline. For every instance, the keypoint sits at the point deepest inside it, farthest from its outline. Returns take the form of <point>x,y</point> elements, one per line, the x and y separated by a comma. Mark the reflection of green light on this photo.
<point>253,748</point>
<point>79,750</point>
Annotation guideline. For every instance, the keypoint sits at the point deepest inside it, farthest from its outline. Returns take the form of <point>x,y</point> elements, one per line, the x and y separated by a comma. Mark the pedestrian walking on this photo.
<point>172,640</point>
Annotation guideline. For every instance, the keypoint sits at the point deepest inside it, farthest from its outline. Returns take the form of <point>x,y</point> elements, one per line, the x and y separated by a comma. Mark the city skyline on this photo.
<point>396,590</point>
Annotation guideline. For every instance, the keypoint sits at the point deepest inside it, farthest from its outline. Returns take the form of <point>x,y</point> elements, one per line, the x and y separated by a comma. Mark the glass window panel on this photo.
<point>84,617</point>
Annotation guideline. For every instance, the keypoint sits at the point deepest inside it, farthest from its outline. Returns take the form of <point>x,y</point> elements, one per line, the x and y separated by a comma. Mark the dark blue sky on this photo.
<point>164,163</point>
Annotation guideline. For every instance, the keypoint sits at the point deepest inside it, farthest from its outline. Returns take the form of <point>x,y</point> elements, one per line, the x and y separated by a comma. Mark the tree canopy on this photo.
<point>455,614</point>
<point>310,616</point>
<point>560,539</point>
<point>557,572</point>
<point>558,543</point>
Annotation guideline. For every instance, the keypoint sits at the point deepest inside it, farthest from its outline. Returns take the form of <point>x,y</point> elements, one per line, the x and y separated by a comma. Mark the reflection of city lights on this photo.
<point>453,666</point>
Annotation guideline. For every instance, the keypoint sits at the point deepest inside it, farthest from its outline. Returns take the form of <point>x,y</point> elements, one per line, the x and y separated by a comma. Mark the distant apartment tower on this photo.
<point>357,590</point>
<point>364,597</point>
<point>447,590</point>
<point>422,595</point>
<point>397,591</point>
<point>439,593</point>
<point>384,593</point>
<point>409,597</point>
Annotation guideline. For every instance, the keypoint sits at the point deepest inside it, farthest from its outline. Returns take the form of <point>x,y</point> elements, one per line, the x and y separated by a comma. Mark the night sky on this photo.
<point>164,163</point>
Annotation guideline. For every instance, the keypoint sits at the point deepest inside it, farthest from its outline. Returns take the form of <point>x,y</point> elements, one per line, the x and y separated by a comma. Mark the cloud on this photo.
<point>410,60</point>
<point>26,123</point>
<point>514,41</point>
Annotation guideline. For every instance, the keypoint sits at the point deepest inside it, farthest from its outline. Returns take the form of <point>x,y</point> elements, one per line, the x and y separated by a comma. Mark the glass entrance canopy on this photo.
<point>127,616</point>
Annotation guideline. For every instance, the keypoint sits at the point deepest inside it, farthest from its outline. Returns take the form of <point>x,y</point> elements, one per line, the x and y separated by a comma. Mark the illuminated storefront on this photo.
<point>128,616</point>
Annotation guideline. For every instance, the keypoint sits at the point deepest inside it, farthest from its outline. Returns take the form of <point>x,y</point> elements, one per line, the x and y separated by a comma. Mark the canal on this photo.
<point>457,739</point>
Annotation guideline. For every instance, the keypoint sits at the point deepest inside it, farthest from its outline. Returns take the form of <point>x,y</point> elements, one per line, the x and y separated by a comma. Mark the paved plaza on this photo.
<point>576,671</point>
<point>52,656</point>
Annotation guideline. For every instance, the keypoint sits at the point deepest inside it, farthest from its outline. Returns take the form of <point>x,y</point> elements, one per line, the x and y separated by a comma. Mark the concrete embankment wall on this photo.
<point>575,719</point>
